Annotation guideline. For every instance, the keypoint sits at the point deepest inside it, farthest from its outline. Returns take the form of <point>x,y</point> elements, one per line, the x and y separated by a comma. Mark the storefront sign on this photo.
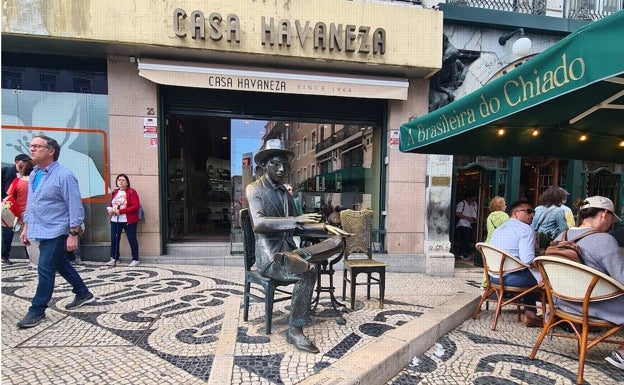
<point>440,181</point>
<point>186,74</point>
<point>283,33</point>
<point>380,37</point>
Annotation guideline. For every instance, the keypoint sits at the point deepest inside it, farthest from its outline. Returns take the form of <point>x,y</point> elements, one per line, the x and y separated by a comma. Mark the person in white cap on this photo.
<point>601,252</point>
<point>275,221</point>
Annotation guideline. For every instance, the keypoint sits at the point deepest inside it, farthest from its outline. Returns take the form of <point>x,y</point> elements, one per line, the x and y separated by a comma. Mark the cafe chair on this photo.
<point>575,282</point>
<point>499,262</point>
<point>360,225</point>
<point>267,286</point>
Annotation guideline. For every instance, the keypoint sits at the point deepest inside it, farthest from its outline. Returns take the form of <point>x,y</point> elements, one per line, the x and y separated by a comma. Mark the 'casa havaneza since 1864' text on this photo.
<point>283,32</point>
<point>229,82</point>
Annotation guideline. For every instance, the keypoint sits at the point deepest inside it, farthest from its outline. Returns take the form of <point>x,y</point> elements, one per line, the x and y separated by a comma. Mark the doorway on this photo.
<point>223,129</point>
<point>199,183</point>
<point>483,184</point>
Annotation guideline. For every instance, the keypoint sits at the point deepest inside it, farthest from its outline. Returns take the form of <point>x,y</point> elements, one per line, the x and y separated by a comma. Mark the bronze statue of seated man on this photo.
<point>275,222</point>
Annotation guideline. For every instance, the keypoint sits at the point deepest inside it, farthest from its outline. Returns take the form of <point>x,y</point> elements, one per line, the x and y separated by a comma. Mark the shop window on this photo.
<point>82,86</point>
<point>11,80</point>
<point>48,82</point>
<point>207,175</point>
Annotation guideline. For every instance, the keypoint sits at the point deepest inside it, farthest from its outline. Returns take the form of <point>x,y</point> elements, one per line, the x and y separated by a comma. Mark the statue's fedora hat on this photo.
<point>271,148</point>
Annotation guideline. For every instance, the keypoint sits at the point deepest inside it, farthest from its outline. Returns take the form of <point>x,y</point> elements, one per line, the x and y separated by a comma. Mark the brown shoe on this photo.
<point>532,322</point>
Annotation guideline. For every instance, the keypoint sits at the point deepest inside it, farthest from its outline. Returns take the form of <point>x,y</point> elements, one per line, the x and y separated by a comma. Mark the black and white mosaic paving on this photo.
<point>163,324</point>
<point>475,354</point>
<point>173,315</point>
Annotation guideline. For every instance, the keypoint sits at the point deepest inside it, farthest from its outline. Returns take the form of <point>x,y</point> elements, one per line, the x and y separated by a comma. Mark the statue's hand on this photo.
<point>336,231</point>
<point>309,218</point>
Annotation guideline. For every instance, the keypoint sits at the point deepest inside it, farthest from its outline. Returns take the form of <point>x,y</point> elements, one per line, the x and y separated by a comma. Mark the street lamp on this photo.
<point>521,47</point>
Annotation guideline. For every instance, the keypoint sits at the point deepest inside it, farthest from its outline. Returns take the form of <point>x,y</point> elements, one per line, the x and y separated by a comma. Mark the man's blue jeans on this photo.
<point>51,260</point>
<point>522,278</point>
<point>7,239</point>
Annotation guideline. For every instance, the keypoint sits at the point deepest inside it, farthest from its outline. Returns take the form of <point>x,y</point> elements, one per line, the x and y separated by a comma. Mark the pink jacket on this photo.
<point>132,209</point>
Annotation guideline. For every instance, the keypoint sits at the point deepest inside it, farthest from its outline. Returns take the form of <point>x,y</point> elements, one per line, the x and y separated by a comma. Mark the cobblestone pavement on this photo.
<point>475,354</point>
<point>174,324</point>
<point>156,324</point>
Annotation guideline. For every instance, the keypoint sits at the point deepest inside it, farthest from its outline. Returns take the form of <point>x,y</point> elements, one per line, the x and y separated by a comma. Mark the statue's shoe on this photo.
<point>302,342</point>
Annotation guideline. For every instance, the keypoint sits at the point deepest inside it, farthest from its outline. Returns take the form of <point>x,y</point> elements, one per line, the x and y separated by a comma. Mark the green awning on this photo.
<point>543,107</point>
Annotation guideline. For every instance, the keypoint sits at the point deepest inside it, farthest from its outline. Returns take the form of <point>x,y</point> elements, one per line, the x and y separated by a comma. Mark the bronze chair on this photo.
<point>575,282</point>
<point>360,225</point>
<point>267,286</point>
<point>499,262</point>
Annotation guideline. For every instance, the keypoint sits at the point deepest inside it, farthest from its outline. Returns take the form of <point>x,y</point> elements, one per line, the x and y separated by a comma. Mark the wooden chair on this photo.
<point>267,286</point>
<point>360,224</point>
<point>499,262</point>
<point>575,282</point>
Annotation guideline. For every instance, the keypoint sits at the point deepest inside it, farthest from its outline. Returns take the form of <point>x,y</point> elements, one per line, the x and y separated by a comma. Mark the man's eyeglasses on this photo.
<point>37,146</point>
<point>528,211</point>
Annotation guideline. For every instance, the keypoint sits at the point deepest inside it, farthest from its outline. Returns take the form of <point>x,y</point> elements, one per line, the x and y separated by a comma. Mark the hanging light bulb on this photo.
<point>535,132</point>
<point>501,132</point>
<point>583,137</point>
<point>621,143</point>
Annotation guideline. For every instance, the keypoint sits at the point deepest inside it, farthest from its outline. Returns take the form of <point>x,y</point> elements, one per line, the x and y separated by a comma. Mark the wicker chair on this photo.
<point>575,282</point>
<point>359,224</point>
<point>499,262</point>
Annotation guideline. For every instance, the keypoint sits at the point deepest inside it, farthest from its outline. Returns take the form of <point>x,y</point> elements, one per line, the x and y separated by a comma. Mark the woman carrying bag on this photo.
<point>124,214</point>
<point>19,190</point>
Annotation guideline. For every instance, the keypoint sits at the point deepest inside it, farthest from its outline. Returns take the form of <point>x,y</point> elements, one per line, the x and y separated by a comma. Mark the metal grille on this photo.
<point>520,6</point>
<point>572,9</point>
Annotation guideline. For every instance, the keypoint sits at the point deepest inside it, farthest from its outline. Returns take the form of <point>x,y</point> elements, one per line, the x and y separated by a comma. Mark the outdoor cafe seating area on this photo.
<point>560,278</point>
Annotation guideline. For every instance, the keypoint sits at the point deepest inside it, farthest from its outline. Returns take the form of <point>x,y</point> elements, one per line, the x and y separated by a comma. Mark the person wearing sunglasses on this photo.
<point>518,238</point>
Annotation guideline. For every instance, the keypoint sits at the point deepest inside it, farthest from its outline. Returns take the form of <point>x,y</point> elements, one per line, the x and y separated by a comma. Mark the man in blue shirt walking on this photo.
<point>53,216</point>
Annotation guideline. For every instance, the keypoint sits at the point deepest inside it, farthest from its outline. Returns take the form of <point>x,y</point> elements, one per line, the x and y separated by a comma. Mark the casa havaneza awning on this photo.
<point>543,107</point>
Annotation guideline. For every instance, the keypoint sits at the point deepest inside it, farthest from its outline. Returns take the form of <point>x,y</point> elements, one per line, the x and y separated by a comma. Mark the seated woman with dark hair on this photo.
<point>550,216</point>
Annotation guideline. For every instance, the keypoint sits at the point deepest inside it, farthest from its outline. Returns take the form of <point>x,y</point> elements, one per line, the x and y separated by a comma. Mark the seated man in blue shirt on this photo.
<point>518,238</point>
